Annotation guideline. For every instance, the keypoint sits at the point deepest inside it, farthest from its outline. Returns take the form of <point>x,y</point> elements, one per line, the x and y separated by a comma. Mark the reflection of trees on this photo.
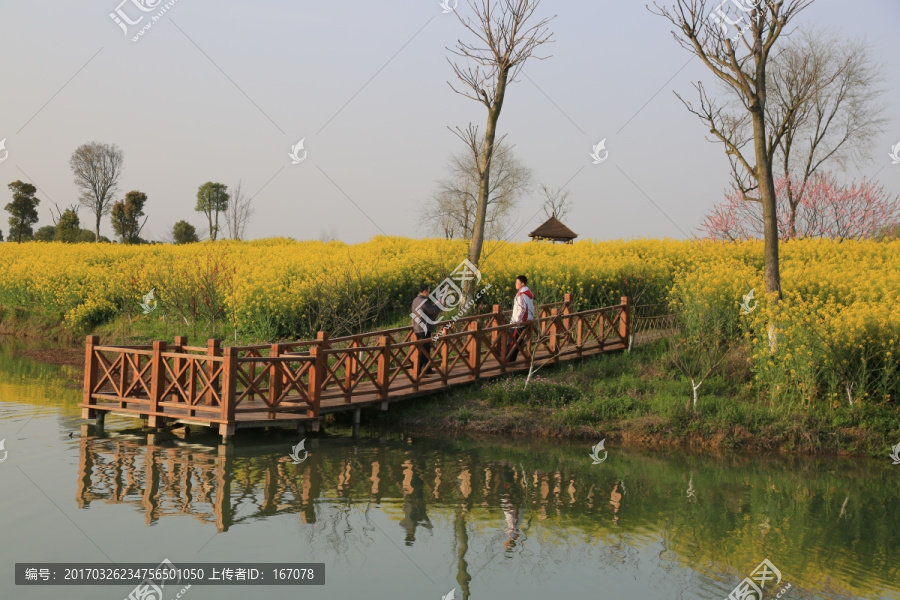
<point>524,509</point>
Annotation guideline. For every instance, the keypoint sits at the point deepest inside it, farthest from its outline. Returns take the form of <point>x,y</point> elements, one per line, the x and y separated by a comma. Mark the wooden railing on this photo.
<point>293,379</point>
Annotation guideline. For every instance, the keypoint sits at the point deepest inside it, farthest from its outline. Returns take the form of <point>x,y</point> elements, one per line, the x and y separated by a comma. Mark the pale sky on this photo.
<point>220,91</point>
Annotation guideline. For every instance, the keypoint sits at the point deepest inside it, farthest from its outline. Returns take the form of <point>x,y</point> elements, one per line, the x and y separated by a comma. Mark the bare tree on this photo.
<point>97,168</point>
<point>328,235</point>
<point>238,213</point>
<point>740,62</point>
<point>506,34</point>
<point>556,202</point>
<point>834,122</point>
<point>451,211</point>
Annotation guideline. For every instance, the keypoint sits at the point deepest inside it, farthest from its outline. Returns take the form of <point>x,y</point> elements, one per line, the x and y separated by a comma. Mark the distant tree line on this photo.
<point>97,168</point>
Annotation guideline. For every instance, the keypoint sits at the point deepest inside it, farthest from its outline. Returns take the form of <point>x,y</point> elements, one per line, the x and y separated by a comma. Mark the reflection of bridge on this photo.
<point>210,485</point>
<point>291,384</point>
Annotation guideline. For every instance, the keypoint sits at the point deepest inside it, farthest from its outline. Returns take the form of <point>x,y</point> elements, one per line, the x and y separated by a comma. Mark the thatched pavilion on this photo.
<point>554,231</point>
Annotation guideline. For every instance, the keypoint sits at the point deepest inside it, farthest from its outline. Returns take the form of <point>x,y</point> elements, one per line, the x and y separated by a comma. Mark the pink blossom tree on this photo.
<point>826,208</point>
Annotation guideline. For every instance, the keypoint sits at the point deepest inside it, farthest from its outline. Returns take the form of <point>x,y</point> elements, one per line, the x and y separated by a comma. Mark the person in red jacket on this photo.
<point>523,312</point>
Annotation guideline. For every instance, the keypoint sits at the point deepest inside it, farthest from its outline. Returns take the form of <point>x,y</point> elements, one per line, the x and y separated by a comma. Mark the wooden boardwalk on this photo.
<point>293,384</point>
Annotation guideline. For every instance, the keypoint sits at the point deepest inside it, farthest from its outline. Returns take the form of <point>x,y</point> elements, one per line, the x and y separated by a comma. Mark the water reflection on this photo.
<point>715,518</point>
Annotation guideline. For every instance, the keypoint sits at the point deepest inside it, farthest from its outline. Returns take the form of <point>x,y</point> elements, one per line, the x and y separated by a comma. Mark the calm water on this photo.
<point>411,516</point>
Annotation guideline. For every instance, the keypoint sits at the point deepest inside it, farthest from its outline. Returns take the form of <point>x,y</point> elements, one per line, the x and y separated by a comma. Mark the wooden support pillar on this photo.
<point>625,321</point>
<point>229,375</point>
<point>276,380</point>
<point>474,349</point>
<point>357,413</point>
<point>226,430</point>
<point>316,380</point>
<point>157,383</point>
<point>91,366</point>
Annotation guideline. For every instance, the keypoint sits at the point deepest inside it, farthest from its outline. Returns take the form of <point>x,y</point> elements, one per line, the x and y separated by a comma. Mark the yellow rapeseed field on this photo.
<point>839,321</point>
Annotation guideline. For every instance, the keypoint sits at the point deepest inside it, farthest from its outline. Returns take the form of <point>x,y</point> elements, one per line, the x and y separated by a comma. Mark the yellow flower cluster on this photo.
<point>840,299</point>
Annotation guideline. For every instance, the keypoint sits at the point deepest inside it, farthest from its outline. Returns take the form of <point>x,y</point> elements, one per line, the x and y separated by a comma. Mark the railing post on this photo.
<point>474,349</point>
<point>275,379</point>
<point>496,321</point>
<point>316,375</point>
<point>567,310</point>
<point>579,334</point>
<point>90,377</point>
<point>445,359</point>
<point>323,341</point>
<point>553,344</point>
<point>497,337</point>
<point>384,368</point>
<point>229,374</point>
<point>322,338</point>
<point>624,321</point>
<point>178,364</point>
<point>213,348</point>
<point>351,364</point>
<point>157,382</point>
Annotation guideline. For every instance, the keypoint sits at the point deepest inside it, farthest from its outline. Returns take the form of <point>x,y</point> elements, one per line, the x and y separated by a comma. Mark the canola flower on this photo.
<point>836,329</point>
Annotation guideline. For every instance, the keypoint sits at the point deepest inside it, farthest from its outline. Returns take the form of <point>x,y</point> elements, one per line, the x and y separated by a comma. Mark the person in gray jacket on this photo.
<point>424,313</point>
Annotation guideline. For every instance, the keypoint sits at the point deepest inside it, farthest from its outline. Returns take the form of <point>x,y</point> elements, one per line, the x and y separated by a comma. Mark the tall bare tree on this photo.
<point>451,211</point>
<point>506,33</point>
<point>238,213</point>
<point>97,168</point>
<point>556,202</point>
<point>739,56</point>
<point>834,119</point>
